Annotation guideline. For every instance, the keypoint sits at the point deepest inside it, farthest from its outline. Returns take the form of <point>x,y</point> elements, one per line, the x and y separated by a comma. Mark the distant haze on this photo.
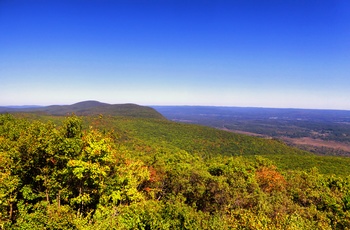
<point>290,54</point>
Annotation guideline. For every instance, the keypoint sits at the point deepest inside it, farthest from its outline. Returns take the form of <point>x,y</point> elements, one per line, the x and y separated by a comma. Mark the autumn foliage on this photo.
<point>73,175</point>
<point>270,180</point>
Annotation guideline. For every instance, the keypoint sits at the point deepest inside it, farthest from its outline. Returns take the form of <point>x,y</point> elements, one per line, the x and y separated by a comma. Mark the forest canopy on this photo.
<point>79,173</point>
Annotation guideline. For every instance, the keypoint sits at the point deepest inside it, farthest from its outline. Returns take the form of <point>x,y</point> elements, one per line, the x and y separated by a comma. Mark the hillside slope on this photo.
<point>137,173</point>
<point>149,136</point>
<point>320,131</point>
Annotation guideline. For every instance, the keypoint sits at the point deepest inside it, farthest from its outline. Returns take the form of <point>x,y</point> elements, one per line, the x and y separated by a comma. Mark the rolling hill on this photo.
<point>150,135</point>
<point>126,171</point>
<point>90,108</point>
<point>144,126</point>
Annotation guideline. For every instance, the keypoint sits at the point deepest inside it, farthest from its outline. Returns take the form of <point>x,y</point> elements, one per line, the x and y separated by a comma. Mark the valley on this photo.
<point>319,131</point>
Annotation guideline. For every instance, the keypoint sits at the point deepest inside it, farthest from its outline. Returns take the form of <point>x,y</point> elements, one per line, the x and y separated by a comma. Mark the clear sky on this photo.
<point>267,53</point>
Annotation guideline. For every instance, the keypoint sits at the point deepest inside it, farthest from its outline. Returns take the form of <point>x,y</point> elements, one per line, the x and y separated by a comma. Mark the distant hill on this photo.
<point>85,108</point>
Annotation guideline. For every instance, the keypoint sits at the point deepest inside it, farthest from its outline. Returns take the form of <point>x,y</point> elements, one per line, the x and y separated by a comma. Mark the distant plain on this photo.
<point>319,131</point>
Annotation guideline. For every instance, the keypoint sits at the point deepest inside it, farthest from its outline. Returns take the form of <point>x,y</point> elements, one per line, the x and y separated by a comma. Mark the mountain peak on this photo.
<point>89,103</point>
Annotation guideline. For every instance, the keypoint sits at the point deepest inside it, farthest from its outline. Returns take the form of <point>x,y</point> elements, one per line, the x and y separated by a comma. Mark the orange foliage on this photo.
<point>270,180</point>
<point>154,176</point>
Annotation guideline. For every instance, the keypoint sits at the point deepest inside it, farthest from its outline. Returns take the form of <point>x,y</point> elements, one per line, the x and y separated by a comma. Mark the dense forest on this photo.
<point>120,172</point>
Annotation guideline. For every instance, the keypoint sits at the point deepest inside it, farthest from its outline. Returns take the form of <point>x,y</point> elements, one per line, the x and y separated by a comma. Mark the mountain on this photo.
<point>85,108</point>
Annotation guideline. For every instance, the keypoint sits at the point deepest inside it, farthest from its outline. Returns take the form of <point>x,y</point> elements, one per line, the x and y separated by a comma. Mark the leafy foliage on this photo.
<point>106,172</point>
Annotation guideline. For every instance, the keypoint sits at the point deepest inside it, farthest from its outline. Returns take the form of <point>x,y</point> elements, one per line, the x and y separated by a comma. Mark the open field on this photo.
<point>243,132</point>
<point>318,143</point>
<point>307,143</point>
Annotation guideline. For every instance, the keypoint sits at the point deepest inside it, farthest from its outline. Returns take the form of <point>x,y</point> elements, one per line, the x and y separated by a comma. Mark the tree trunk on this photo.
<point>80,193</point>
<point>47,195</point>
<point>11,211</point>
<point>59,199</point>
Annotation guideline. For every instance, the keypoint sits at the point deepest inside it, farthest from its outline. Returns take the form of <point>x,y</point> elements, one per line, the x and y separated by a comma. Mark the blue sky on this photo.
<point>290,53</point>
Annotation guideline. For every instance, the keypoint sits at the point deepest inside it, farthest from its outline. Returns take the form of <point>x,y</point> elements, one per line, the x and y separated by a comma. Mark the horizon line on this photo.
<point>14,106</point>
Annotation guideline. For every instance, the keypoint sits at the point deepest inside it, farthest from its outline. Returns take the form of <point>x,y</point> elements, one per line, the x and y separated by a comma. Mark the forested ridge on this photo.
<point>85,108</point>
<point>116,172</point>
